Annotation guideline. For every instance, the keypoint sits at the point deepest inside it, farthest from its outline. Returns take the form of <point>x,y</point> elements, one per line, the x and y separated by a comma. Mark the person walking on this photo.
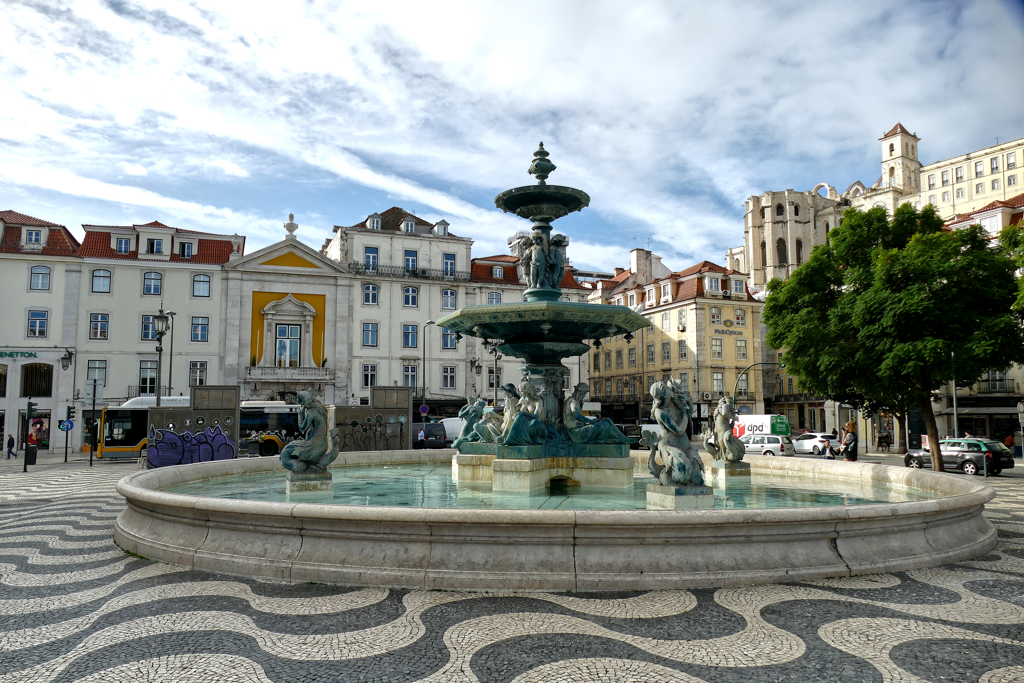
<point>421,439</point>
<point>10,446</point>
<point>849,447</point>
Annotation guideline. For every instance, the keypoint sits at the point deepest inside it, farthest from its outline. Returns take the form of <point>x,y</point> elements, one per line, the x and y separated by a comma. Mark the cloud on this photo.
<point>668,114</point>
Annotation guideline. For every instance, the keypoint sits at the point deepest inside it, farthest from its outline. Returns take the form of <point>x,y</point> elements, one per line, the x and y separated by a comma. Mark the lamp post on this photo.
<point>160,327</point>
<point>754,365</point>
<point>426,336</point>
<point>170,355</point>
<point>492,348</point>
<point>65,363</point>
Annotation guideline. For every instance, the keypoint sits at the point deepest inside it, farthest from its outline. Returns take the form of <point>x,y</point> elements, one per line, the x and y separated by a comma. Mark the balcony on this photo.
<point>137,390</point>
<point>412,273</point>
<point>272,374</point>
<point>996,386</point>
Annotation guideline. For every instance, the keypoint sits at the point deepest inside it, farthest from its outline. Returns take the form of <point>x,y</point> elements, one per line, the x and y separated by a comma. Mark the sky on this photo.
<point>226,117</point>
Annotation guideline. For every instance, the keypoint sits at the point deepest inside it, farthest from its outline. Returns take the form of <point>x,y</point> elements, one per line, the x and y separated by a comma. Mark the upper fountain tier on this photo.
<point>542,203</point>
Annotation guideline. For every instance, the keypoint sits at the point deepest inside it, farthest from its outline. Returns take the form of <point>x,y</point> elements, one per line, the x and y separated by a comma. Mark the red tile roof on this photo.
<point>898,128</point>
<point>15,218</point>
<point>60,242</point>
<point>210,252</point>
<point>702,267</point>
<point>391,220</point>
<point>1011,203</point>
<point>481,272</point>
<point>500,258</point>
<point>155,224</point>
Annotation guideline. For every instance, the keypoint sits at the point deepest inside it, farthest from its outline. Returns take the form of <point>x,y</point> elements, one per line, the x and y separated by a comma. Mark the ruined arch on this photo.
<point>780,210</point>
<point>764,254</point>
<point>799,252</point>
<point>781,259</point>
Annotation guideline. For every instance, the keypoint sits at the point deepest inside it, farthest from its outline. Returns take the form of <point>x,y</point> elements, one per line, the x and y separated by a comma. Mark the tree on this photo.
<point>888,311</point>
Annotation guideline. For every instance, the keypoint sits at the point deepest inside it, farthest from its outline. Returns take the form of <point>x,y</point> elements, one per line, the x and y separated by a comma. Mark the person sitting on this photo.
<point>827,451</point>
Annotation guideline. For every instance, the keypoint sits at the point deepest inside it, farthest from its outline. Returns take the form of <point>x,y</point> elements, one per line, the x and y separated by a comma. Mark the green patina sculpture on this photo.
<point>722,443</point>
<point>680,463</point>
<point>543,330</point>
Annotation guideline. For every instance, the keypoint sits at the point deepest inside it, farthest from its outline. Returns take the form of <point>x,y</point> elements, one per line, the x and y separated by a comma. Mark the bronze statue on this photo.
<point>320,447</point>
<point>583,429</point>
<point>723,444</point>
<point>672,411</point>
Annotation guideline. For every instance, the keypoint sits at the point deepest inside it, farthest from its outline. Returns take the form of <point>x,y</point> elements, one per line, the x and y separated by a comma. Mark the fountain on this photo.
<point>542,497</point>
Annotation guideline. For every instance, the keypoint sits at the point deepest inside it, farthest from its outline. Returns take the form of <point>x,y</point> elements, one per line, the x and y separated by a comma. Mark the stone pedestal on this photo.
<point>471,469</point>
<point>722,469</point>
<point>660,497</point>
<point>535,474</point>
<point>309,482</point>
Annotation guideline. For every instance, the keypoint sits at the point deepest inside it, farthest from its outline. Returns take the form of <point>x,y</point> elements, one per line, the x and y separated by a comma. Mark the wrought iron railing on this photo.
<point>443,274</point>
<point>137,390</point>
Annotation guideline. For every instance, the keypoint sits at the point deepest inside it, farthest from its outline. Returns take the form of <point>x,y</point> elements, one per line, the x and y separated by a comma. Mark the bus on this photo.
<point>124,428</point>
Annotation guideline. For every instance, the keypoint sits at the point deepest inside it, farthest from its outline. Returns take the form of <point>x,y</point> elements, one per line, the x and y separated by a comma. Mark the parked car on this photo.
<point>967,455</point>
<point>814,442</point>
<point>767,444</point>
<point>452,428</point>
<point>434,433</point>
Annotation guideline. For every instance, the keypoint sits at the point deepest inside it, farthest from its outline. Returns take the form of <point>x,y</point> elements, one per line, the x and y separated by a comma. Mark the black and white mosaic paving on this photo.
<point>74,607</point>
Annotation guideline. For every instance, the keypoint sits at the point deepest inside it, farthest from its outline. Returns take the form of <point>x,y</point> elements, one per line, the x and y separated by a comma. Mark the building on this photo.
<point>704,330</point>
<point>41,273</point>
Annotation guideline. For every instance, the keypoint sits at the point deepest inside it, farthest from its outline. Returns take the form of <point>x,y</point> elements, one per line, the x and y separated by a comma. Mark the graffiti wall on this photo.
<point>182,447</point>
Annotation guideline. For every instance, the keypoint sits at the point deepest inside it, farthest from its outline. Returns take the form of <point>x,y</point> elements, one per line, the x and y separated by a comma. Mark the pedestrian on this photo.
<point>827,451</point>
<point>421,439</point>
<point>10,446</point>
<point>849,447</point>
<point>835,434</point>
<point>1008,442</point>
<point>968,435</point>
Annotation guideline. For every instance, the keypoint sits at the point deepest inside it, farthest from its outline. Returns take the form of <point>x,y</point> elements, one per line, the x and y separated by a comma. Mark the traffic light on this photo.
<point>71,412</point>
<point>30,411</point>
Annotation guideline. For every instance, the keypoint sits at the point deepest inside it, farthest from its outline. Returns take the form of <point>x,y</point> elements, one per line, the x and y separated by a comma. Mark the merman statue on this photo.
<point>320,447</point>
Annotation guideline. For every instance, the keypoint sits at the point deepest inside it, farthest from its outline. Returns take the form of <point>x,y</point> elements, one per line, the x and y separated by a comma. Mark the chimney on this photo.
<point>640,264</point>
<point>619,271</point>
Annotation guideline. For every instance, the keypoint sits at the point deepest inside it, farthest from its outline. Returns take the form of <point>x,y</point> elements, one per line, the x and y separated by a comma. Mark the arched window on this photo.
<point>796,209</point>
<point>201,285</point>
<point>448,299</point>
<point>764,254</point>
<point>892,149</point>
<point>826,227</point>
<point>780,253</point>
<point>411,296</point>
<point>151,283</point>
<point>799,252</point>
<point>780,210</point>
<point>101,281</point>
<point>764,213</point>
<point>370,295</point>
<point>37,380</point>
<point>40,278</point>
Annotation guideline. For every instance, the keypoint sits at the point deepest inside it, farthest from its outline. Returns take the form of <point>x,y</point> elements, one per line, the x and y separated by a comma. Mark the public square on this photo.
<point>76,608</point>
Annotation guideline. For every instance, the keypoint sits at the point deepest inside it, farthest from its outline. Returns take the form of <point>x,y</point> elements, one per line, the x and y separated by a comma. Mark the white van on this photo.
<point>452,428</point>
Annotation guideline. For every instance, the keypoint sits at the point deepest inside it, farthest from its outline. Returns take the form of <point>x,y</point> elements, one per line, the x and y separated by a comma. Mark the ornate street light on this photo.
<point>65,360</point>
<point>160,327</point>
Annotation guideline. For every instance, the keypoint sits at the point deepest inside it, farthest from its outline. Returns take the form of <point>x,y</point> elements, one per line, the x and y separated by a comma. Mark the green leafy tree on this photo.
<point>888,311</point>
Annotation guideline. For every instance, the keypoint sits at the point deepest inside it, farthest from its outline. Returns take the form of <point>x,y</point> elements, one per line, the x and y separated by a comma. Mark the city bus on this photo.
<point>125,428</point>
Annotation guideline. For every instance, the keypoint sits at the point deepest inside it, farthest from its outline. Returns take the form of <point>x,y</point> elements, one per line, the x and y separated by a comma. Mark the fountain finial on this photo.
<point>541,167</point>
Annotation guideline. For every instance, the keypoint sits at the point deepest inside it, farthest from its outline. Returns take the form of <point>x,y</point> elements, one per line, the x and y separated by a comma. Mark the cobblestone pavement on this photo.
<point>73,607</point>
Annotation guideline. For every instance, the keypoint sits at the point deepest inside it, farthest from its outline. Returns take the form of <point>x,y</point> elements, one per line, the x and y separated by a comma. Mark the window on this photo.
<point>681,319</point>
<point>1011,160</point>
<point>741,317</point>
<point>448,299</point>
<point>665,318</point>
<point>892,149</point>
<point>718,382</point>
<point>287,349</point>
<point>33,236</point>
<point>147,378</point>
<point>931,181</point>
<point>185,251</point>
<point>790,384</point>
<point>123,245</point>
<point>607,360</point>
<point>447,338</point>
<point>737,286</point>
<point>799,252</point>
<point>649,297</point>
<point>713,284</point>
<point>201,329</point>
<point>410,260</point>
<point>597,362</point>
<point>650,324</point>
<point>741,385</point>
<point>682,349</point>
<point>665,290</point>
<point>151,283</point>
<point>716,315</point>
<point>632,300</point>
<point>960,193</point>
<point>945,178</point>
<point>493,298</point>
<point>370,295</point>
<point>650,353</point>
<point>741,349</point>
<point>607,387</point>
<point>945,196</point>
<point>959,174</point>
<point>632,386</point>
<point>409,226</point>
<point>449,264</point>
<point>154,246</point>
<point>97,370</point>
<point>148,328</point>
<point>632,356</point>
<point>995,184</point>
<point>374,223</point>
<point>370,258</point>
<point>1011,180</point>
<point>369,375</point>
<point>409,376</point>
<point>796,209</point>
<point>979,188</point>
<point>409,334</point>
<point>497,272</point>
<point>197,373</point>
<point>779,210</point>
<point>411,295</point>
<point>491,384</point>
<point>448,377</point>
<point>37,323</point>
<point>40,278</point>
<point>618,358</point>
<point>979,169</point>
<point>684,381</point>
<point>37,380</point>
<point>931,199</point>
<point>618,386</point>
<point>666,352</point>
<point>780,252</point>
<point>101,281</point>
<point>98,325</point>
<point>994,164</point>
<point>369,334</point>
<point>200,285</point>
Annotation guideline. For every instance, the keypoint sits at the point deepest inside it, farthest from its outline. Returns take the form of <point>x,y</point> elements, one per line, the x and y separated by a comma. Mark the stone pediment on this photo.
<point>289,306</point>
<point>289,259</point>
<point>291,255</point>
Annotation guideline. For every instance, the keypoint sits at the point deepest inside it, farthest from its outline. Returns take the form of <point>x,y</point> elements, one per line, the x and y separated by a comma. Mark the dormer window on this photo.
<point>632,299</point>
<point>442,228</point>
<point>649,296</point>
<point>665,290</point>
<point>33,236</point>
<point>373,221</point>
<point>409,225</point>
<point>737,286</point>
<point>185,250</point>
<point>497,272</point>
<point>123,245</point>
<point>154,246</point>
<point>713,284</point>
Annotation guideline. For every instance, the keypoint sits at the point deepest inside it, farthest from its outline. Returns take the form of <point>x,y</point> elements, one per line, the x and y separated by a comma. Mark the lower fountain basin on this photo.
<point>482,547</point>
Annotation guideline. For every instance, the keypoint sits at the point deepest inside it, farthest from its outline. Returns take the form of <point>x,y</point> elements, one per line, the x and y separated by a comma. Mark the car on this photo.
<point>814,442</point>
<point>968,455</point>
<point>452,428</point>
<point>434,433</point>
<point>767,444</point>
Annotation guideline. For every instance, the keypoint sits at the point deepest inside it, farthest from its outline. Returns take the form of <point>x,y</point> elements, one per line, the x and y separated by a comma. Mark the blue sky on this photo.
<point>227,116</point>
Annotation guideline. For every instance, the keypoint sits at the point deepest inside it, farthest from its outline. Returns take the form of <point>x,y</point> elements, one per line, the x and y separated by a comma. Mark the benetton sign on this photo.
<point>18,354</point>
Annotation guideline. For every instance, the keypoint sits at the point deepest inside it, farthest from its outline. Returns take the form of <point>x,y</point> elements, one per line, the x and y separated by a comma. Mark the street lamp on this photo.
<point>492,348</point>
<point>170,355</point>
<point>736,385</point>
<point>65,360</point>
<point>426,336</point>
<point>160,327</point>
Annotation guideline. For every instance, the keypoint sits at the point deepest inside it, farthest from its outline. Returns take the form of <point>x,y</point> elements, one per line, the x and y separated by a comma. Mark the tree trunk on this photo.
<point>933,433</point>
<point>901,417</point>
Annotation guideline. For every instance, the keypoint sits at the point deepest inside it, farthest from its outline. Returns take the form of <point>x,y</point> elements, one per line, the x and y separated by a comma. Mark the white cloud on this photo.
<point>230,168</point>
<point>134,169</point>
